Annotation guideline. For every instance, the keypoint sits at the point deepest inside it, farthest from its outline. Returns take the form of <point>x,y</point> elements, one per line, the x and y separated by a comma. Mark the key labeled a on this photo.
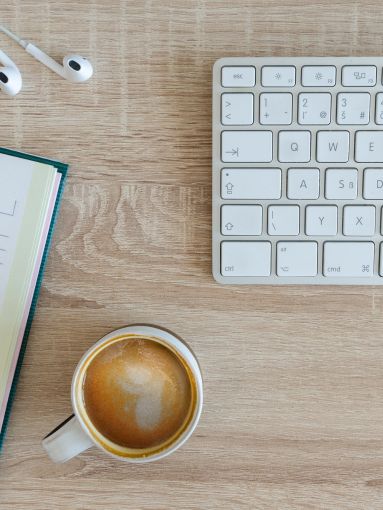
<point>303,183</point>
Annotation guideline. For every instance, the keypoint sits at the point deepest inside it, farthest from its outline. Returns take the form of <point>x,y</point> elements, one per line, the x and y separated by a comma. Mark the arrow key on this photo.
<point>241,220</point>
<point>237,109</point>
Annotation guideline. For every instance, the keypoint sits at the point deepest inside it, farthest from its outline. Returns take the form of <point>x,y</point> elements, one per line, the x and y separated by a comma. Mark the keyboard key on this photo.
<point>294,146</point>
<point>245,258</point>
<point>333,146</point>
<point>341,183</point>
<point>241,220</point>
<point>237,109</point>
<point>321,220</point>
<point>238,76</point>
<point>318,76</point>
<point>278,76</point>
<point>373,183</point>
<point>303,183</point>
<point>369,146</point>
<point>247,146</point>
<point>348,259</point>
<point>381,260</point>
<point>359,76</point>
<point>314,108</point>
<point>379,108</point>
<point>251,183</point>
<point>283,220</point>
<point>276,108</point>
<point>359,220</point>
<point>353,108</point>
<point>297,258</point>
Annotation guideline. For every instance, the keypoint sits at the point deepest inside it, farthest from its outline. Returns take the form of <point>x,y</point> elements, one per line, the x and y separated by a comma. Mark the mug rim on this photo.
<point>182,349</point>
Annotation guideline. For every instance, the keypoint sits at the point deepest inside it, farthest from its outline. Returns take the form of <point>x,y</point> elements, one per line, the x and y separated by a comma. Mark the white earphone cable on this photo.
<point>13,36</point>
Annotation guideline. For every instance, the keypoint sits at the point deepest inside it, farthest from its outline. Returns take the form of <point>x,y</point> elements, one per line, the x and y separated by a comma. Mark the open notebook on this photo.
<point>30,191</point>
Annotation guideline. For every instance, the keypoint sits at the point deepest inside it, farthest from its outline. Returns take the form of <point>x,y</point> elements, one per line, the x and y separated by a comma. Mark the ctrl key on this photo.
<point>245,258</point>
<point>344,258</point>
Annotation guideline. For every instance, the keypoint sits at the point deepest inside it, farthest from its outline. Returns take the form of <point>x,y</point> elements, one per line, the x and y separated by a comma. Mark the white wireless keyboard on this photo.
<point>298,170</point>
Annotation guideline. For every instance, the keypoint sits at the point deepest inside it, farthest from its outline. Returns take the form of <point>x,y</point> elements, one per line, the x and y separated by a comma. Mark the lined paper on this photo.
<point>27,194</point>
<point>14,185</point>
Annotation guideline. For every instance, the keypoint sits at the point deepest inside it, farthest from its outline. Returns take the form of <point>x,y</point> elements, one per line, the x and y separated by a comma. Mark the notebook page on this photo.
<point>31,290</point>
<point>13,193</point>
<point>27,189</point>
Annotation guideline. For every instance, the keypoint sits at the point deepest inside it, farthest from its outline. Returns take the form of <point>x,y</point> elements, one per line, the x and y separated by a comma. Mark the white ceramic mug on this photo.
<point>74,435</point>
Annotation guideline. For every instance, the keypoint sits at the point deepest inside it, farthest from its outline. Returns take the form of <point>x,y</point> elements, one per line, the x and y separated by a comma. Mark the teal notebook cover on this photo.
<point>62,169</point>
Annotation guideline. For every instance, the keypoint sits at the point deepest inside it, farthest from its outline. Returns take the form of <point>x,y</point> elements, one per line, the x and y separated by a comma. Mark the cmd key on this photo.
<point>348,259</point>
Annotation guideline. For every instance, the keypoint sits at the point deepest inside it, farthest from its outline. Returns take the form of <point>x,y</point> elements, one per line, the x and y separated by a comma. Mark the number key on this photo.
<point>353,108</point>
<point>379,108</point>
<point>276,108</point>
<point>314,108</point>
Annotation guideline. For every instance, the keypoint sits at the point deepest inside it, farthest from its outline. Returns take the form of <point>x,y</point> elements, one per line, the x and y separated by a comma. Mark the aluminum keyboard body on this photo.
<point>298,170</point>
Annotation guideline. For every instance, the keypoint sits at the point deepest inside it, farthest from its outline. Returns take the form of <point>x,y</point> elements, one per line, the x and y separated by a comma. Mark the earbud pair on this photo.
<point>75,68</point>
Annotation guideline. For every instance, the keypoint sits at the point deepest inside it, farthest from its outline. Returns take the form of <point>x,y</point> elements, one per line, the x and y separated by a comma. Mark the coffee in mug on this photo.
<point>137,394</point>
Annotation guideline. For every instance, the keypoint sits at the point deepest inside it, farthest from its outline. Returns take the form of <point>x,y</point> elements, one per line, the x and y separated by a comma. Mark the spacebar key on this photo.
<point>344,258</point>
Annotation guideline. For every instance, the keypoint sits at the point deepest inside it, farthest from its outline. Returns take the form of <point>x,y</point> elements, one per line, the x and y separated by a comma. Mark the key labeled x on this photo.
<point>359,220</point>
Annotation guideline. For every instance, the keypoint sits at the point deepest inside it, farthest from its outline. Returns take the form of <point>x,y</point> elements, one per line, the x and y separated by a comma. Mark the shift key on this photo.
<point>348,259</point>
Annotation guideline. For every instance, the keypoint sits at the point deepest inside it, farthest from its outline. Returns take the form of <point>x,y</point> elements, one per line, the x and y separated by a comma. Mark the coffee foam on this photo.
<point>137,393</point>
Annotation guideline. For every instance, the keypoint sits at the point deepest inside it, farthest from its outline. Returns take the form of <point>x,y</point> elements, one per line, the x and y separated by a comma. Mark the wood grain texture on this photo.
<point>294,381</point>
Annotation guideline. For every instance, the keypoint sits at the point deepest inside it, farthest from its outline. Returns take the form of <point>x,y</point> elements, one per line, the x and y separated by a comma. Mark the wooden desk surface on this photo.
<point>294,376</point>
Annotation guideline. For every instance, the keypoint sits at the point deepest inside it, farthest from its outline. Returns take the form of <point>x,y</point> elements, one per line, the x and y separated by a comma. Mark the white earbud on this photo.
<point>10,77</point>
<point>75,68</point>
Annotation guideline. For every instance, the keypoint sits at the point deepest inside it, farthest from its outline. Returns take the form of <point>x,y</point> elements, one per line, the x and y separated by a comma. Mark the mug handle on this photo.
<point>66,441</point>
